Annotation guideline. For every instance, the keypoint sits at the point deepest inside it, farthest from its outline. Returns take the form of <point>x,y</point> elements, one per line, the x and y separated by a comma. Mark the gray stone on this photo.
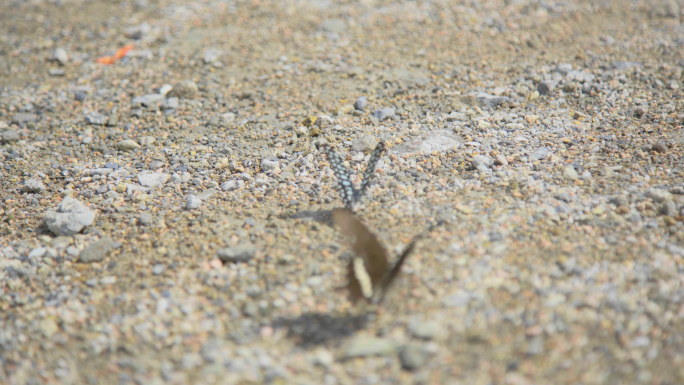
<point>626,65</point>
<point>95,118</point>
<point>427,330</point>
<point>208,193</point>
<point>564,68</point>
<point>96,251</point>
<point>34,185</point>
<point>440,141</point>
<point>334,25</point>
<point>482,162</point>
<point>56,72</point>
<point>570,173</point>
<point>10,136</point>
<point>193,202</point>
<point>361,103</point>
<point>145,219</point>
<point>545,87</point>
<point>460,299</point>
<point>384,113</point>
<point>365,143</point>
<point>658,195</point>
<point>237,253</point>
<point>456,117</point>
<point>660,146</point>
<point>412,357</point>
<point>147,100</point>
<point>60,55</point>
<point>211,55</point>
<point>152,179</point>
<point>669,208</point>
<point>21,118</point>
<point>158,269</point>
<point>37,253</point>
<point>365,346</point>
<point>186,89</point>
<point>70,217</point>
<point>488,100</point>
<point>540,154</point>
<point>127,145</point>
<point>232,185</point>
<point>269,164</point>
<point>500,160</point>
<point>170,103</point>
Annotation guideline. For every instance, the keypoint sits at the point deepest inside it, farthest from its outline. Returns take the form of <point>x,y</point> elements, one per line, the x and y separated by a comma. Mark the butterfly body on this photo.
<point>351,197</point>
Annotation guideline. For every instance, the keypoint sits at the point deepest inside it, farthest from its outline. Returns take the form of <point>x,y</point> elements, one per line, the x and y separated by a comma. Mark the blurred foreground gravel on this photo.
<point>165,218</point>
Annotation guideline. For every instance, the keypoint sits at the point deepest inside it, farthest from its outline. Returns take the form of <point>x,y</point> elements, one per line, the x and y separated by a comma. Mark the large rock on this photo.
<point>439,141</point>
<point>186,89</point>
<point>70,217</point>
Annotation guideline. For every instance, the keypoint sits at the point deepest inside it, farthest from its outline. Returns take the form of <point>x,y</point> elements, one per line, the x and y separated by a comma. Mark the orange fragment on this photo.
<point>120,53</point>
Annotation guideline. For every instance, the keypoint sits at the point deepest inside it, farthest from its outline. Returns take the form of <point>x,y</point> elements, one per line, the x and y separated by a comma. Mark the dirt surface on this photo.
<point>167,217</point>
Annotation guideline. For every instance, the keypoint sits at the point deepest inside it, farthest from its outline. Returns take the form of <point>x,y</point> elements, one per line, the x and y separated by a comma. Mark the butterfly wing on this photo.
<point>369,265</point>
<point>388,278</point>
<point>344,184</point>
<point>370,169</point>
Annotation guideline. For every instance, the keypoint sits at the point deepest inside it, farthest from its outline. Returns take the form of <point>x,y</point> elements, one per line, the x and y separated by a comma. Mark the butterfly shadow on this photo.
<point>321,216</point>
<point>313,329</point>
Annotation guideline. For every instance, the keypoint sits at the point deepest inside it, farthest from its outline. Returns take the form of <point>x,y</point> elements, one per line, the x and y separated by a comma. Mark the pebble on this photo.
<point>365,346</point>
<point>438,141</point>
<point>158,269</point>
<point>70,217</point>
<point>361,103</point>
<point>482,163</point>
<point>95,118</point>
<point>489,100</point>
<point>149,100</point>
<point>145,219</point>
<point>152,179</point>
<point>366,143</point>
<point>10,136</point>
<point>60,55</point>
<point>211,55</point>
<point>412,357</point>
<point>546,87</point>
<point>21,119</point>
<point>193,202</point>
<point>186,89</point>
<point>658,195</point>
<point>384,113</point>
<point>427,330</point>
<point>669,208</point>
<point>96,251</point>
<point>237,254</point>
<point>540,153</point>
<point>269,164</point>
<point>660,146</point>
<point>570,173</point>
<point>127,145</point>
<point>34,185</point>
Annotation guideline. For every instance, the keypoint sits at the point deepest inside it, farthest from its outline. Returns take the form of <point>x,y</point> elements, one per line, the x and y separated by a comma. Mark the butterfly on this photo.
<point>351,197</point>
<point>369,273</point>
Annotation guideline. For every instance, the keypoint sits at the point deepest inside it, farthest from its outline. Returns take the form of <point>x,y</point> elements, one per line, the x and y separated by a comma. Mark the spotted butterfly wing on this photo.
<point>350,196</point>
<point>344,183</point>
<point>368,175</point>
<point>368,273</point>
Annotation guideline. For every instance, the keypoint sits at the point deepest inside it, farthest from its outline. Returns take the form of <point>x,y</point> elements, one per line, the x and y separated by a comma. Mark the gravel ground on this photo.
<point>166,217</point>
